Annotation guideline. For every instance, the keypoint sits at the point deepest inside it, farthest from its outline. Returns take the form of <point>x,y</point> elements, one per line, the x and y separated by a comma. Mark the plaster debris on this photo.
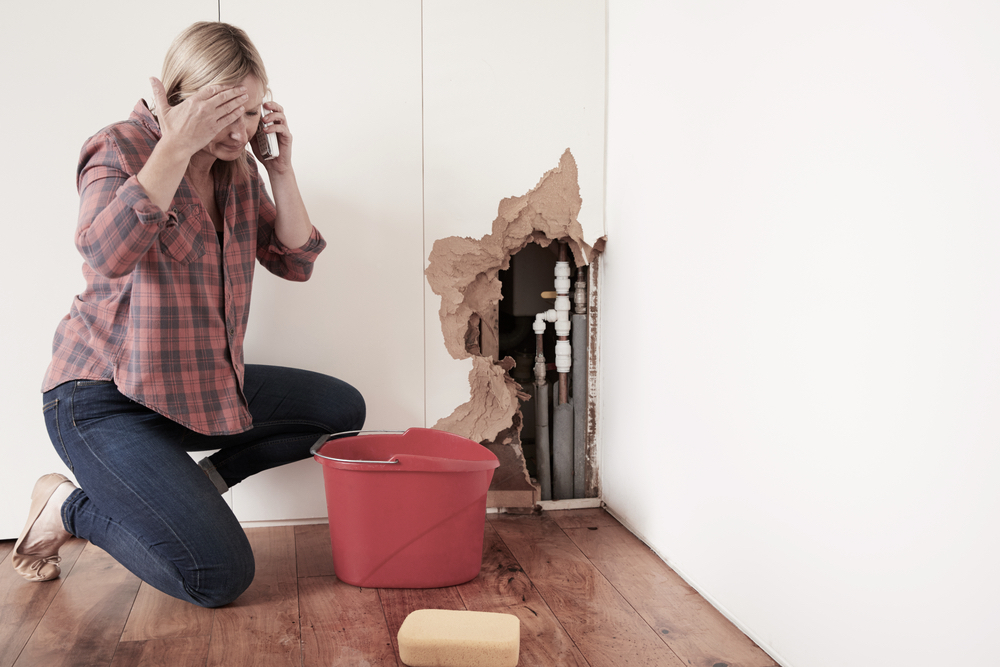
<point>463,272</point>
<point>493,405</point>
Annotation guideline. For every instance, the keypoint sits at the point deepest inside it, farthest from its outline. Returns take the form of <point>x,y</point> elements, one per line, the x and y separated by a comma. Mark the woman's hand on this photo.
<point>292,225</point>
<point>192,124</point>
<point>185,129</point>
<point>277,124</point>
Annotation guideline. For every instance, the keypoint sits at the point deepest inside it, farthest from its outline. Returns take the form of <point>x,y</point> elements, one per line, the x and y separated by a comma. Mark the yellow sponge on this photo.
<point>448,638</point>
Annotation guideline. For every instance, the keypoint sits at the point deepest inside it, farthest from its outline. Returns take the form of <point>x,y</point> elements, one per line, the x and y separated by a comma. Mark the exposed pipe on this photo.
<point>564,352</point>
<point>542,413</point>
<point>562,422</point>
<point>580,383</point>
<point>556,468</point>
<point>562,452</point>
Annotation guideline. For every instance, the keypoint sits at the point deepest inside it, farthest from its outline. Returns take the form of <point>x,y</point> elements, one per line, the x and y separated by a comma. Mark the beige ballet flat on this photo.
<point>38,567</point>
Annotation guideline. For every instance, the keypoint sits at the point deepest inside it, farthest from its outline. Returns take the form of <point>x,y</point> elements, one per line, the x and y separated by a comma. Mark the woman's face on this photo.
<point>228,144</point>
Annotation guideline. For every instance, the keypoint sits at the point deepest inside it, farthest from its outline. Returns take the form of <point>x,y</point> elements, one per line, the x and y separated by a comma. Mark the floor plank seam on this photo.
<point>48,605</point>
<point>385,620</point>
<point>659,635</point>
<point>541,597</point>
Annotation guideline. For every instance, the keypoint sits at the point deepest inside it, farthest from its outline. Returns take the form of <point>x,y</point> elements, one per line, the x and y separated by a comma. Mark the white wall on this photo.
<point>67,84</point>
<point>411,121</point>
<point>349,76</point>
<point>803,237</point>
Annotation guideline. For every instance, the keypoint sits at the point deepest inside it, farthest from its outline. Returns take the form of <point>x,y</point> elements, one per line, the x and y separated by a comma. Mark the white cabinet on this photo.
<point>348,75</point>
<point>69,71</point>
<point>411,122</point>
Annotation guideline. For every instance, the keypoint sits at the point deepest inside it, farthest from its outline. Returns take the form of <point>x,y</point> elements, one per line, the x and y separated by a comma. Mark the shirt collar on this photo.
<point>143,115</point>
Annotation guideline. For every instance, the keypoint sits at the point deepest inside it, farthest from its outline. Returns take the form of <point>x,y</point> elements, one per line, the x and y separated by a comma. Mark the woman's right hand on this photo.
<point>193,123</point>
<point>185,129</point>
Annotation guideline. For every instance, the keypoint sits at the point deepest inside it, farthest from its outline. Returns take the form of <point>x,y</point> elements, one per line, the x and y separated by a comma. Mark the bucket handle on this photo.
<point>314,450</point>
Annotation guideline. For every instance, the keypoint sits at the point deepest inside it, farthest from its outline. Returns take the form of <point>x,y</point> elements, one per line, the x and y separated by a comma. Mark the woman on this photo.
<point>148,365</point>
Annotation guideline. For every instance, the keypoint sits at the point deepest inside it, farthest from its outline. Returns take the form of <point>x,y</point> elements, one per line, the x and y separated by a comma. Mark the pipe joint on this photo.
<point>562,282</point>
<point>539,370</point>
<point>541,318</point>
<point>564,356</point>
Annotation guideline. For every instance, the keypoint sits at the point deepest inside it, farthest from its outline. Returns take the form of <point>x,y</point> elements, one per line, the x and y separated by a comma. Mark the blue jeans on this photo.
<point>146,502</point>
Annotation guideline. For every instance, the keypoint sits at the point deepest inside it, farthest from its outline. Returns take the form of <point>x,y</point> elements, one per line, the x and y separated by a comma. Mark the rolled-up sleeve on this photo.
<point>117,222</point>
<point>295,264</point>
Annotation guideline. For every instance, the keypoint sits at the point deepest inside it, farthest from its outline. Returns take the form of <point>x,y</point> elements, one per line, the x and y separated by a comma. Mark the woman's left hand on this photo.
<point>291,223</point>
<point>276,123</point>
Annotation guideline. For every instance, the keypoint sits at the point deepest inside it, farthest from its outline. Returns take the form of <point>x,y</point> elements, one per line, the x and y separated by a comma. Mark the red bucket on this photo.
<point>406,509</point>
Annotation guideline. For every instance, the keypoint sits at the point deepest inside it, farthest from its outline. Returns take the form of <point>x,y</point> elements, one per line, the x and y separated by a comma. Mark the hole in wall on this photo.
<point>470,276</point>
<point>522,285</point>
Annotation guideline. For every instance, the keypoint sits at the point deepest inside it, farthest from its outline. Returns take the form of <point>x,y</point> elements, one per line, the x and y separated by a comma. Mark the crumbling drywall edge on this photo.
<point>463,272</point>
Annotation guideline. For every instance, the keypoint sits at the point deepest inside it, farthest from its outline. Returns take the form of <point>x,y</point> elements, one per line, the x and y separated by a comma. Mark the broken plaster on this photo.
<point>463,272</point>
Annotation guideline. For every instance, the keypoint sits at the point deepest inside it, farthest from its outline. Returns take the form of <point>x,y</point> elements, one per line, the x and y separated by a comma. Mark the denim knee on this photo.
<point>227,583</point>
<point>357,408</point>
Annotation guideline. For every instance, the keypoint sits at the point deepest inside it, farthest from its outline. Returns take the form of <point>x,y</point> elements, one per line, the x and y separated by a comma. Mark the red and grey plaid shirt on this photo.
<point>166,305</point>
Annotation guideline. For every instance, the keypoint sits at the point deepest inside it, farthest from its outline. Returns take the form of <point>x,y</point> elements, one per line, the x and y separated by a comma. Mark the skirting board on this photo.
<point>283,522</point>
<point>552,505</point>
<point>545,505</point>
<point>574,504</point>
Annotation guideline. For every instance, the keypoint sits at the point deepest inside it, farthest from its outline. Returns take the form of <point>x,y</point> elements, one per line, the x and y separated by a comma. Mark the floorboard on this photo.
<point>342,625</point>
<point>156,615</point>
<point>503,587</point>
<point>606,629</point>
<point>84,622</point>
<point>171,652</point>
<point>584,518</point>
<point>313,552</point>
<point>691,627</point>
<point>261,628</point>
<point>587,592</point>
<point>397,603</point>
<point>24,603</point>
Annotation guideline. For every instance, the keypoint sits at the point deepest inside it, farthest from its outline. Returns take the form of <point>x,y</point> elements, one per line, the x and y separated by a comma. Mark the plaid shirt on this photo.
<point>165,307</point>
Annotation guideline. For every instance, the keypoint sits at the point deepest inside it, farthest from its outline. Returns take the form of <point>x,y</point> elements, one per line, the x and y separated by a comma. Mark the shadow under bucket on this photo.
<point>407,509</point>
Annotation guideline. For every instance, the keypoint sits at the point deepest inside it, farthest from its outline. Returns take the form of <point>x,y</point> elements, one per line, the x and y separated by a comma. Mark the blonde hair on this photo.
<point>212,53</point>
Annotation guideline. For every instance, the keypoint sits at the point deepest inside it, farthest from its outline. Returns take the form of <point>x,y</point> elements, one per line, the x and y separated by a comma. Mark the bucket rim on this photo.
<point>325,438</point>
<point>404,461</point>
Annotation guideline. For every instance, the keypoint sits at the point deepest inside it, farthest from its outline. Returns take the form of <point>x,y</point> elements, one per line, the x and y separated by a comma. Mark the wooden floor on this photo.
<point>586,590</point>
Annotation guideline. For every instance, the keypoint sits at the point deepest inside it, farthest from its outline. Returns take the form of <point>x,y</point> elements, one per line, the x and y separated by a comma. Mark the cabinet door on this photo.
<point>348,76</point>
<point>70,70</point>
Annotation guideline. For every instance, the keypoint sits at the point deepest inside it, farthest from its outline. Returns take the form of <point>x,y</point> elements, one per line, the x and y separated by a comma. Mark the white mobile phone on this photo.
<point>267,144</point>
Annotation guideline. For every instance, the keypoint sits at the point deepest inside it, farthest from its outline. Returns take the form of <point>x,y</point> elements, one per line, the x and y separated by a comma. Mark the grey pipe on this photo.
<point>579,404</point>
<point>562,452</point>
<point>542,439</point>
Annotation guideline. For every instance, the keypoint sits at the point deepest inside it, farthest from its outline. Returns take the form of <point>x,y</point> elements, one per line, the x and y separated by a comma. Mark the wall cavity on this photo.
<point>463,272</point>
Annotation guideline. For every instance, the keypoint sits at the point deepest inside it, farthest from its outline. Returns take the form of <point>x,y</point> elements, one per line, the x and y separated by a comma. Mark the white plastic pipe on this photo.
<point>541,319</point>
<point>559,462</point>
<point>564,350</point>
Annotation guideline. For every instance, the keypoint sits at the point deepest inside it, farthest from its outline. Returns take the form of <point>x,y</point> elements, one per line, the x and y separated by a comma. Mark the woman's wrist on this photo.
<point>163,172</point>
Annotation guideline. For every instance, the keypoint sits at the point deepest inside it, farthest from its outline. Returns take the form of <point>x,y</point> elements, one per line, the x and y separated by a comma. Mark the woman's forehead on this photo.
<point>255,91</point>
